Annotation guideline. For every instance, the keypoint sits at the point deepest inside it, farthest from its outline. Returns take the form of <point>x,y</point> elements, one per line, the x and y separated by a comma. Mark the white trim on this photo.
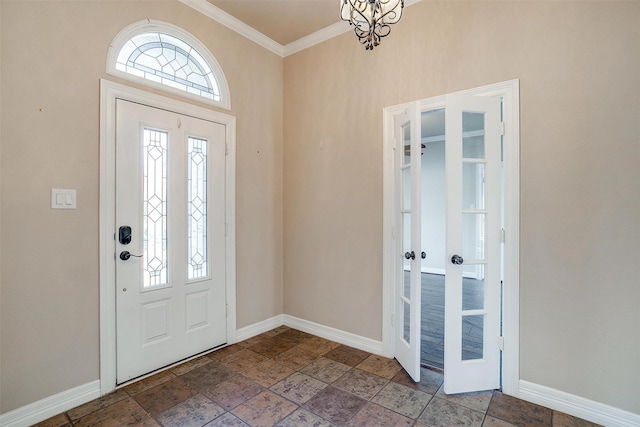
<point>509,90</point>
<point>322,331</point>
<point>332,334</point>
<point>259,328</point>
<point>577,406</point>
<point>109,92</point>
<point>428,270</point>
<point>151,25</point>
<point>318,37</point>
<point>222,17</point>
<point>322,35</point>
<point>51,406</point>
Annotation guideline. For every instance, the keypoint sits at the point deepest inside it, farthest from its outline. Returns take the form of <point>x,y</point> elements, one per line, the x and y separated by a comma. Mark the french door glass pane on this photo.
<point>472,337</point>
<point>406,324</point>
<point>197,250</point>
<point>406,188</point>
<point>472,293</point>
<point>406,144</point>
<point>473,135</point>
<point>473,193</point>
<point>473,239</point>
<point>406,247</point>
<point>154,203</point>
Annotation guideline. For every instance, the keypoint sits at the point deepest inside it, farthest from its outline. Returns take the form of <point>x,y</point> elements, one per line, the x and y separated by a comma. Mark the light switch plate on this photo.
<point>63,199</point>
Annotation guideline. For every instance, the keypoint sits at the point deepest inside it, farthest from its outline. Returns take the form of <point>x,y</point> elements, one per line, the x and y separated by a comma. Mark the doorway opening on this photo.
<point>481,245</point>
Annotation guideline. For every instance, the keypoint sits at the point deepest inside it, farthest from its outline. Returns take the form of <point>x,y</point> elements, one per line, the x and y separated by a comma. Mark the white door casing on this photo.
<point>508,93</point>
<point>110,93</point>
<point>170,301</point>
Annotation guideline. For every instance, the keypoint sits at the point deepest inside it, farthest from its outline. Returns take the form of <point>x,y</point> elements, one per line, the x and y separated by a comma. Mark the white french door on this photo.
<point>472,136</point>
<point>473,255</point>
<point>170,238</point>
<point>408,252</point>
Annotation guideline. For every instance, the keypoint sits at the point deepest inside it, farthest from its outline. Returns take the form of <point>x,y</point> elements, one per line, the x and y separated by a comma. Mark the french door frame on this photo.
<point>509,91</point>
<point>109,92</point>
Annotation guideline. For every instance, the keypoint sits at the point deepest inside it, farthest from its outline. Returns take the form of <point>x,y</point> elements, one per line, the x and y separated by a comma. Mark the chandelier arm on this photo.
<point>370,29</point>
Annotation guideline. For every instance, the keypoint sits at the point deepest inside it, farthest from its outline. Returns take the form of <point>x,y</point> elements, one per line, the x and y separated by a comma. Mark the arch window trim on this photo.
<point>199,52</point>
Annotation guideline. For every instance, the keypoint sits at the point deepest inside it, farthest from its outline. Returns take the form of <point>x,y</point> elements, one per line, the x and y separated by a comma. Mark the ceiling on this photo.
<point>283,21</point>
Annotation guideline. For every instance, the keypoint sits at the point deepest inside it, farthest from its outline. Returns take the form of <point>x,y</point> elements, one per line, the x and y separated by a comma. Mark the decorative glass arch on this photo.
<point>167,57</point>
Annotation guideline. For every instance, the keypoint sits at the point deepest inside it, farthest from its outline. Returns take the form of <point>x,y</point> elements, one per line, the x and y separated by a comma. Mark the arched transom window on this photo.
<point>162,55</point>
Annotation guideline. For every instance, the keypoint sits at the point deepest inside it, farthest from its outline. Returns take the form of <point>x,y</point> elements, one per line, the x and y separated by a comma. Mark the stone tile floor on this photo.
<point>289,378</point>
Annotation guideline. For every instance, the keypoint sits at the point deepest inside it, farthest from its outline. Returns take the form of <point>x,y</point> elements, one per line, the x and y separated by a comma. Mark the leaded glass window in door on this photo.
<point>197,249</point>
<point>154,206</point>
<point>168,60</point>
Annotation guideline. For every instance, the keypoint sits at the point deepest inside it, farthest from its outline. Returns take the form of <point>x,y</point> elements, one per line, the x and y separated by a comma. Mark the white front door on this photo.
<point>473,255</point>
<point>472,248</point>
<point>170,238</point>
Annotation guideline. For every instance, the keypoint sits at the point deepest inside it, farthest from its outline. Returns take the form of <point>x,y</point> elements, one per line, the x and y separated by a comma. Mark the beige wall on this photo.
<point>53,55</point>
<point>579,70</point>
<point>578,65</point>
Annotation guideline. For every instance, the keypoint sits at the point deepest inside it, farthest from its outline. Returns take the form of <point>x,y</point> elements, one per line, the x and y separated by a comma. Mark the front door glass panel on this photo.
<point>154,203</point>
<point>197,183</point>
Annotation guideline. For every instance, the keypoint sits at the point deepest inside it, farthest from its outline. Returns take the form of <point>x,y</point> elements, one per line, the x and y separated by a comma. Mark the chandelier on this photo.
<point>371,18</point>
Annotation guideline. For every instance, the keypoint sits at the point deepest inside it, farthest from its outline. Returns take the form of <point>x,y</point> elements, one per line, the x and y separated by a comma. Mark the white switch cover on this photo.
<point>63,199</point>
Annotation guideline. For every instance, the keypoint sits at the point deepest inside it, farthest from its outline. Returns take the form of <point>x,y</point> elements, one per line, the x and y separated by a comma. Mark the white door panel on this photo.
<point>170,293</point>
<point>473,260</point>
<point>408,259</point>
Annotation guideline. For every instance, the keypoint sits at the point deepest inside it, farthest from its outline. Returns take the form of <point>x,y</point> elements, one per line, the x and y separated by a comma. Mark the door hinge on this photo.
<point>226,310</point>
<point>501,128</point>
<point>502,235</point>
<point>226,149</point>
<point>501,343</point>
<point>393,317</point>
<point>226,229</point>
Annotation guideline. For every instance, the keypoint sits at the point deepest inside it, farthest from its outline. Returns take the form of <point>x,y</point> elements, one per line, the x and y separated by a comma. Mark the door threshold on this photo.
<point>169,366</point>
<point>432,368</point>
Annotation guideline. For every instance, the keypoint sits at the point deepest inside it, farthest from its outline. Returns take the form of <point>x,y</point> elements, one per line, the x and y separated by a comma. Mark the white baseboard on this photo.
<point>327,332</point>
<point>430,270</point>
<point>61,402</point>
<point>337,335</point>
<point>48,407</point>
<point>441,272</point>
<point>577,406</point>
<point>259,328</point>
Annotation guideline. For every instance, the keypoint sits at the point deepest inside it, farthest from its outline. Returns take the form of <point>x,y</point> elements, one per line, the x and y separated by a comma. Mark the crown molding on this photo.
<point>318,37</point>
<point>222,17</point>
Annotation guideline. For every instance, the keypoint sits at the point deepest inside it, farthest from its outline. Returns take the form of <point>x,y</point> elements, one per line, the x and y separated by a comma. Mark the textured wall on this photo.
<point>53,55</point>
<point>579,67</point>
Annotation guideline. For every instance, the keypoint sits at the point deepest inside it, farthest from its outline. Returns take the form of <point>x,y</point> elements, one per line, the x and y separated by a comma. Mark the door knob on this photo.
<point>457,259</point>
<point>410,255</point>
<point>125,255</point>
<point>423,255</point>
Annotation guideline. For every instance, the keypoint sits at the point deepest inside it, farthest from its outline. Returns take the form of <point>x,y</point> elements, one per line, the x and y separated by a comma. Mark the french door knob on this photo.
<point>423,255</point>
<point>410,255</point>
<point>457,259</point>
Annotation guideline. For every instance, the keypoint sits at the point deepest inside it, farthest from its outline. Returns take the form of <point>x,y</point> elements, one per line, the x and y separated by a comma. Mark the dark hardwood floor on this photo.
<point>432,320</point>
